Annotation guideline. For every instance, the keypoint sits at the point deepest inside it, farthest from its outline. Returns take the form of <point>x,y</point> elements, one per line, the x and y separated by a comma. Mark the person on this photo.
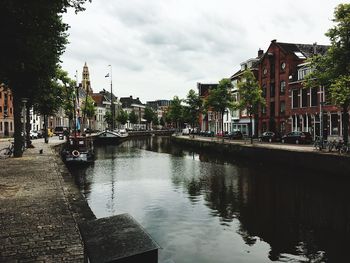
<point>66,133</point>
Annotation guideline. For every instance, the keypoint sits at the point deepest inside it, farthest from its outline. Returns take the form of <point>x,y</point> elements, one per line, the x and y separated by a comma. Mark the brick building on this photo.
<point>278,72</point>
<point>6,112</point>
<point>212,120</point>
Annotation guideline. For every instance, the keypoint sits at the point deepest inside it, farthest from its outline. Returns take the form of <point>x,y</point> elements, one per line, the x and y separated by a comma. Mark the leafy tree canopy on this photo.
<point>122,117</point>
<point>133,118</point>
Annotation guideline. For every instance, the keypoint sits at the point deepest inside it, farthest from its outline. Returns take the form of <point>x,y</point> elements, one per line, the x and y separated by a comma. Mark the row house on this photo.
<point>6,112</point>
<point>289,107</point>
<point>130,104</point>
<point>310,108</point>
<point>212,120</point>
<point>239,119</point>
<point>103,105</point>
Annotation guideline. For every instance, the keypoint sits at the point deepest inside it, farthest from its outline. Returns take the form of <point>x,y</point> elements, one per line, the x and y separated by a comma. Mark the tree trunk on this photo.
<point>250,128</point>
<point>17,108</point>
<point>345,124</point>
<point>28,126</point>
<point>46,137</point>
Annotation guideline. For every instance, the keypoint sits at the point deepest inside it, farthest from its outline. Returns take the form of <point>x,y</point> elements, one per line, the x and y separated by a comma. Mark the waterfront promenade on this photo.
<point>37,222</point>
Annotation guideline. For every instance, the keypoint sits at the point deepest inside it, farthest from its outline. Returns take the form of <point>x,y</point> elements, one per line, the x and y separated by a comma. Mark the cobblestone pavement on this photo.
<point>36,220</point>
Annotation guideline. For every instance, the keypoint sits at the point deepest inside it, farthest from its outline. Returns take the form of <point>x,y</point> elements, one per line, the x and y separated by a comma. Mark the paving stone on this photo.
<point>36,219</point>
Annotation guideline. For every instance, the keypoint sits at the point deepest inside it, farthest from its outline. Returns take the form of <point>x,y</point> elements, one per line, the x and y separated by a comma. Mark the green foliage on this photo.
<point>220,98</point>
<point>108,118</point>
<point>88,107</point>
<point>161,121</point>
<point>250,94</point>
<point>155,120</point>
<point>332,70</point>
<point>149,114</point>
<point>195,107</point>
<point>175,110</point>
<point>133,118</point>
<point>122,117</point>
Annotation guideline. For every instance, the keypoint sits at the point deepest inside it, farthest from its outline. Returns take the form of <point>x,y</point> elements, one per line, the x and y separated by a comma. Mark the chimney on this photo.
<point>130,96</point>
<point>273,40</point>
<point>260,52</point>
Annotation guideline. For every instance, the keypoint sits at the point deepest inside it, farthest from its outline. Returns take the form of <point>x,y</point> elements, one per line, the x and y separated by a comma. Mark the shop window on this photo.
<point>334,124</point>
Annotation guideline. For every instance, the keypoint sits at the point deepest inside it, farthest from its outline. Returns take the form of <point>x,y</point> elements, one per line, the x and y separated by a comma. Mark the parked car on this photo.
<point>209,133</point>
<point>269,136</point>
<point>59,130</point>
<point>297,137</point>
<point>222,134</point>
<point>235,135</point>
<point>186,131</point>
<point>33,135</point>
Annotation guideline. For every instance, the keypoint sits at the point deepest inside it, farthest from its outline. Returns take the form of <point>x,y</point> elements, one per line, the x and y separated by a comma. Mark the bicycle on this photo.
<point>344,148</point>
<point>320,144</point>
<point>7,152</point>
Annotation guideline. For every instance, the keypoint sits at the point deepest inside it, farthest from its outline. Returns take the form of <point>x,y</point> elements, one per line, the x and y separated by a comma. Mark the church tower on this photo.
<point>86,80</point>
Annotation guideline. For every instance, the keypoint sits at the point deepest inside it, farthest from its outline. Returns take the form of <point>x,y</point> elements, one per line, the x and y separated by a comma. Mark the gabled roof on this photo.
<point>127,101</point>
<point>302,51</point>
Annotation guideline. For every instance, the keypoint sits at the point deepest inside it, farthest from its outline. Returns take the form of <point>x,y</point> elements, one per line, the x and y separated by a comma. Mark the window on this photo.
<point>304,98</point>
<point>282,87</point>
<point>314,96</point>
<point>264,90</point>
<point>295,99</point>
<point>303,72</point>
<point>0,109</point>
<point>334,124</point>
<point>272,109</point>
<point>0,125</point>
<point>263,110</point>
<point>10,126</point>
<point>272,90</point>
<point>282,107</point>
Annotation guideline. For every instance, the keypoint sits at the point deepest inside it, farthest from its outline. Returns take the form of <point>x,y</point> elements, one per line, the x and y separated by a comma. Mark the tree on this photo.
<point>162,122</point>
<point>32,41</point>
<point>332,70</point>
<point>220,98</point>
<point>108,118</point>
<point>250,97</point>
<point>133,118</point>
<point>149,115</point>
<point>122,117</point>
<point>195,107</point>
<point>89,108</point>
<point>175,111</point>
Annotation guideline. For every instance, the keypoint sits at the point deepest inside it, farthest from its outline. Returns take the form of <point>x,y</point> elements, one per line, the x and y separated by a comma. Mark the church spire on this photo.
<point>86,80</point>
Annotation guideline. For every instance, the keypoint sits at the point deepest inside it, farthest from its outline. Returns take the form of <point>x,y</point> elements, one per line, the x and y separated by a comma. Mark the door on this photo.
<point>6,129</point>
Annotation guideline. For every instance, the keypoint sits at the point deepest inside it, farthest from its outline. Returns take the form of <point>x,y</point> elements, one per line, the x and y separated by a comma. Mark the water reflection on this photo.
<point>205,208</point>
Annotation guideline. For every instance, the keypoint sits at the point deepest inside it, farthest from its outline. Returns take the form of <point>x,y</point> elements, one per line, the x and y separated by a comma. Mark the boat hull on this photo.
<point>108,137</point>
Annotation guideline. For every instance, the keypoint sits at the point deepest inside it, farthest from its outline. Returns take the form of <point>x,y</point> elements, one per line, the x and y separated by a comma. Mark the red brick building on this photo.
<point>209,121</point>
<point>278,73</point>
<point>6,112</point>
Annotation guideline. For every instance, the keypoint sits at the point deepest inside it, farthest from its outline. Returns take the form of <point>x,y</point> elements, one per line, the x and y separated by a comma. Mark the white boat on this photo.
<point>111,136</point>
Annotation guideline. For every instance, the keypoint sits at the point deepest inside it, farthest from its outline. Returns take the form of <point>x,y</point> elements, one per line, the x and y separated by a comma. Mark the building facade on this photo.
<point>278,70</point>
<point>6,112</point>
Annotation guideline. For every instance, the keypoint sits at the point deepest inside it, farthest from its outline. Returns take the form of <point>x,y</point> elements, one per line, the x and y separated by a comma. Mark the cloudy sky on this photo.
<point>162,48</point>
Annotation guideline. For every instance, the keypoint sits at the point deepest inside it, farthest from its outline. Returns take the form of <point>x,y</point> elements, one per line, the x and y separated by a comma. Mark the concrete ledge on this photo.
<point>324,163</point>
<point>118,239</point>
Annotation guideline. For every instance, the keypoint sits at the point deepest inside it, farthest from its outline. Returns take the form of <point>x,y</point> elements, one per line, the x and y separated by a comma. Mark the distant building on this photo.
<point>212,120</point>
<point>130,104</point>
<point>6,112</point>
<point>238,119</point>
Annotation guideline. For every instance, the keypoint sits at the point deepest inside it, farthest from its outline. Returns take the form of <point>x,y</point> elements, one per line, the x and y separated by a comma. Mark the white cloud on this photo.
<point>159,49</point>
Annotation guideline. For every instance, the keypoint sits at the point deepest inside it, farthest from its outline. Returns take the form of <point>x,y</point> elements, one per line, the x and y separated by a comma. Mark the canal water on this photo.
<point>200,207</point>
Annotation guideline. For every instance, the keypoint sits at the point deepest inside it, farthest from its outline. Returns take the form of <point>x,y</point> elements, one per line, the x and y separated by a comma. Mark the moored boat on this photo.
<point>79,149</point>
<point>115,136</point>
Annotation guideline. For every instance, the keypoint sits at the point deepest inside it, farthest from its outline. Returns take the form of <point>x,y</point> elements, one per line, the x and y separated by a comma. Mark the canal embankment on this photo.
<point>271,155</point>
<point>40,208</point>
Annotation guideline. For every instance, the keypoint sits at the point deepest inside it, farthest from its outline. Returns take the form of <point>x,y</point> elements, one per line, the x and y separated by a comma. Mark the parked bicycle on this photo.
<point>7,152</point>
<point>320,144</point>
<point>344,148</point>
